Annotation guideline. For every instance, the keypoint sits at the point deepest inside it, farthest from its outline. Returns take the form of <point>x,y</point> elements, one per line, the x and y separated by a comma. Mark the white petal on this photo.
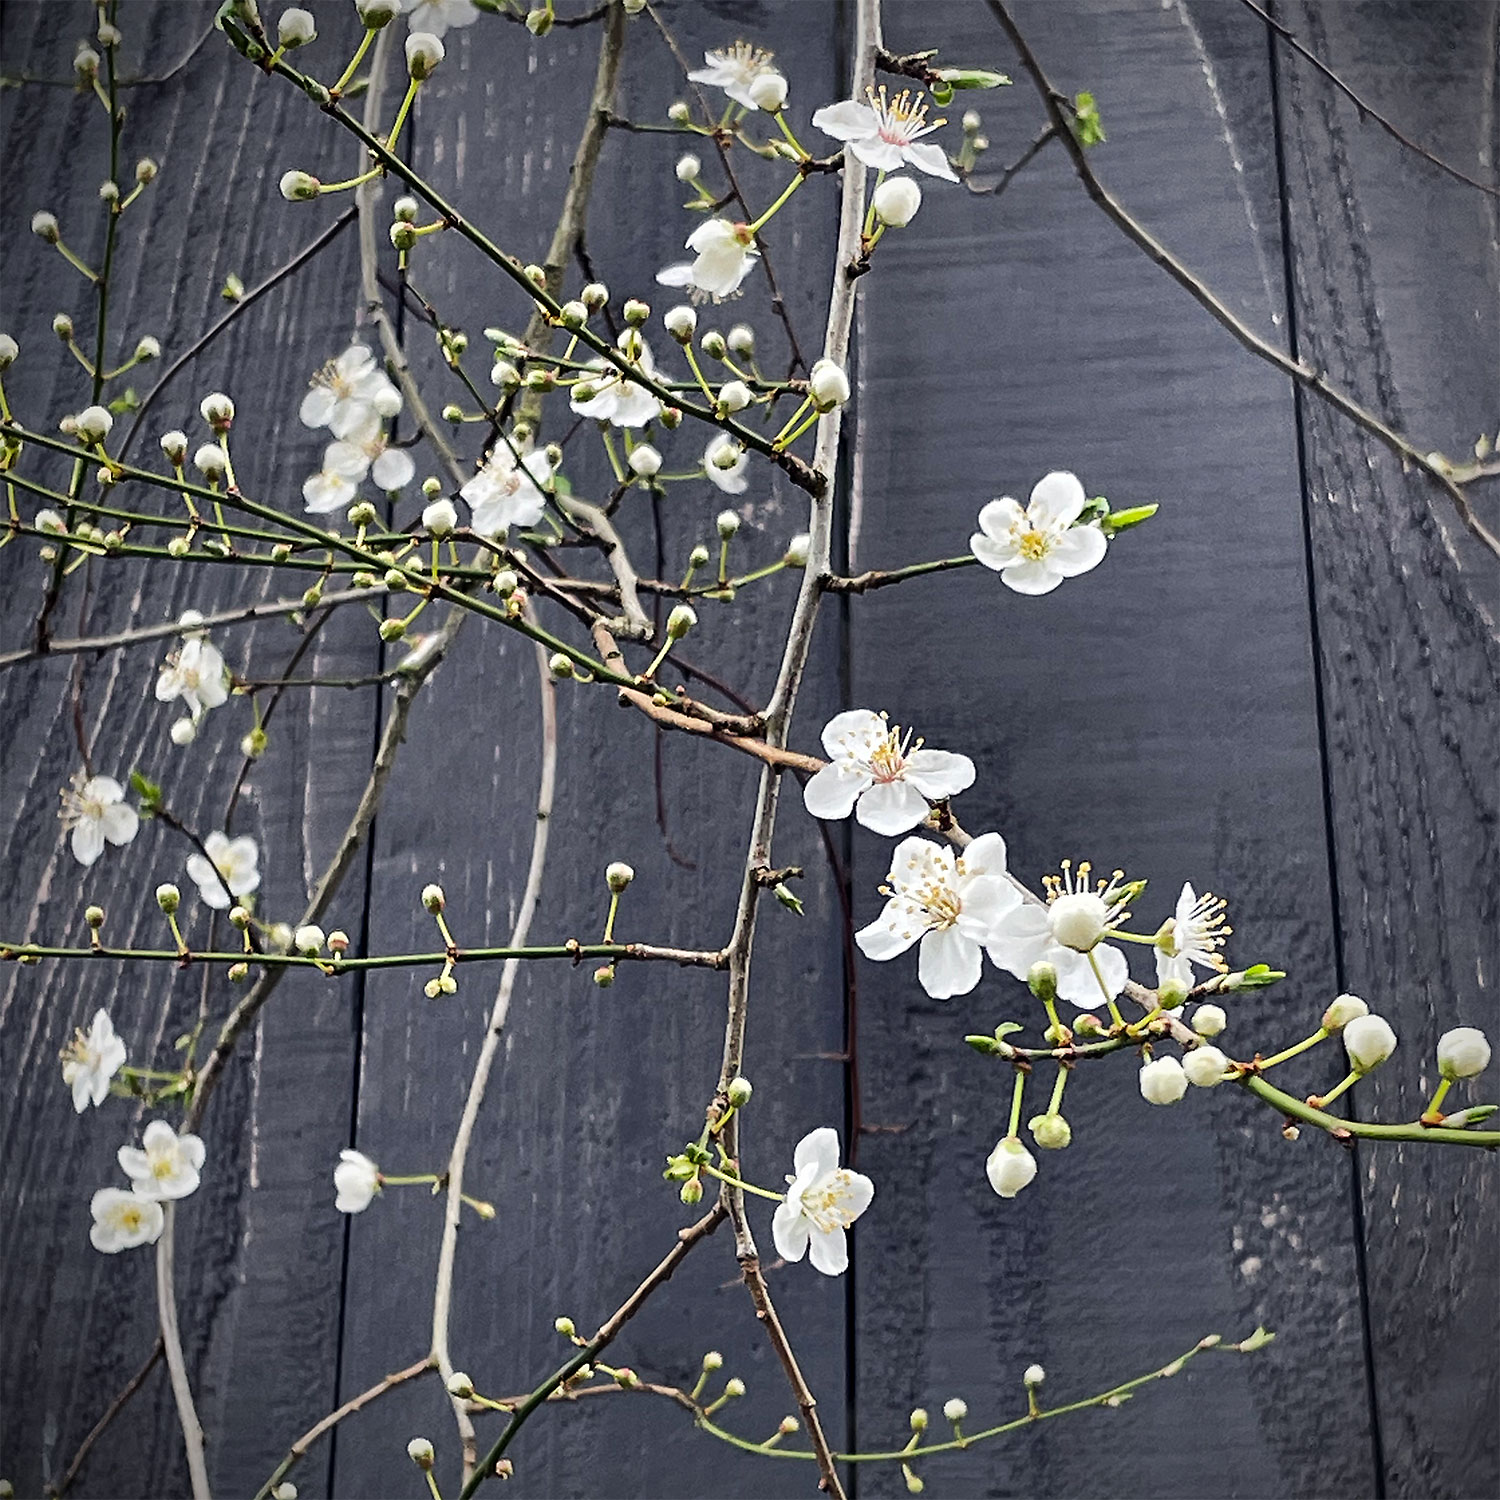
<point>939,773</point>
<point>819,1148</point>
<point>1020,939</point>
<point>830,1251</point>
<point>930,159</point>
<point>891,807</point>
<point>1077,550</point>
<point>323,493</point>
<point>985,901</point>
<point>831,793</point>
<point>1173,966</point>
<point>88,841</point>
<point>890,934</point>
<point>847,120</point>
<point>1056,501</point>
<point>347,460</point>
<point>119,823</point>
<point>1031,577</point>
<point>393,470</point>
<point>856,729</point>
<point>317,407</point>
<point>1000,517</point>
<point>948,963</point>
<point>884,156</point>
<point>992,554</point>
<point>679,275</point>
<point>789,1232</point>
<point>985,855</point>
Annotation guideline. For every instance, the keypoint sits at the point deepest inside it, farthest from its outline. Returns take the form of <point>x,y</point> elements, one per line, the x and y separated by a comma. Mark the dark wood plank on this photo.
<point>1159,713</point>
<point>595,1086</point>
<point>259,1251</point>
<point>1398,296</point>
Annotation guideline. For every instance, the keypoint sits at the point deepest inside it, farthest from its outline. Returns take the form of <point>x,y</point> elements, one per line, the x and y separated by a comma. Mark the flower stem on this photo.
<point>1312,1041</point>
<point>354,62</point>
<point>770,213</point>
<point>1015,1104</point>
<point>748,1187</point>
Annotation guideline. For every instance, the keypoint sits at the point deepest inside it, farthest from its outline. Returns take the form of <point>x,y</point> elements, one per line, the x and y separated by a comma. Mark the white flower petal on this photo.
<point>890,807</point>
<point>930,159</point>
<point>1031,577</point>
<point>1077,550</point>
<point>832,792</point>
<point>890,934</point>
<point>939,773</point>
<point>948,963</point>
<point>1057,500</point>
<point>830,1251</point>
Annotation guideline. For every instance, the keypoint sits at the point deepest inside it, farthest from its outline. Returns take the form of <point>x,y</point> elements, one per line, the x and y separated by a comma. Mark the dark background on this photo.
<point>1283,689</point>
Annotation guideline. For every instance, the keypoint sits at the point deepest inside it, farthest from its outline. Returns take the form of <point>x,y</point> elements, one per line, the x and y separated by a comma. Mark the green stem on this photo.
<point>748,1187</point>
<point>1015,1104</point>
<point>771,212</point>
<point>1298,1109</point>
<point>348,73</point>
<point>1302,1046</point>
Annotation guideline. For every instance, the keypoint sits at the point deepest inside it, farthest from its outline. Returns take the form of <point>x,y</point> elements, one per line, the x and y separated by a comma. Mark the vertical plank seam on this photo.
<point>1335,904</point>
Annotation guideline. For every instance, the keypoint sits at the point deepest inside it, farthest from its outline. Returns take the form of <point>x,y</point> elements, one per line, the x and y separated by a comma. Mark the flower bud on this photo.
<point>9,350</point>
<point>1171,993</point>
<point>44,226</point>
<point>1041,980</point>
<point>93,424</point>
<point>918,1420</point>
<point>1078,920</point>
<point>1010,1166</point>
<point>1034,1375</point>
<point>691,1192</point>
<point>338,942</point>
<point>433,899</point>
<point>688,167</point>
<point>739,1091</point>
<point>147,348</point>
<point>286,1490</point>
<point>741,340</point>
<point>146,170</point>
<point>183,732</point>
<point>897,200</point>
<point>179,546</point>
<point>618,875</point>
<point>681,322</point>
<point>539,21</point>
<point>423,53</point>
<point>218,411</point>
<point>1463,1052</point>
<point>1051,1132</point>
<point>1345,1009</point>
<point>169,898</point>
<point>644,461</point>
<point>726,523</point>
<point>1209,1020</point>
<point>94,916</point>
<point>460,1385</point>
<point>403,236</point>
<point>1205,1066</point>
<point>299,187</point>
<point>211,461</point>
<point>109,191</point>
<point>564,1326</point>
<point>1163,1081</point>
<point>295,28</point>
<point>635,312</point>
<point>253,743</point>
<point>955,1409</point>
<point>713,345</point>
<point>174,445</point>
<point>712,1361</point>
<point>1368,1040</point>
<point>377,13</point>
<point>560,666</point>
<point>308,940</point>
<point>734,395</point>
<point>678,112</point>
<point>440,517</point>
<point>734,1387</point>
<point>419,1451</point>
<point>680,621</point>
<point>768,91</point>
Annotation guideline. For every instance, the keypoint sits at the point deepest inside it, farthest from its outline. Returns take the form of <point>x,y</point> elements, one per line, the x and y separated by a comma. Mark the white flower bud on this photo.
<point>62,326</point>
<point>739,1091</point>
<point>1163,1081</point>
<point>712,1361</point>
<point>168,897</point>
<point>295,28</point>
<point>86,64</point>
<point>726,523</point>
<point>147,348</point>
<point>174,445</point>
<point>1463,1052</point>
<point>440,517</point>
<point>423,53</point>
<point>433,899</point>
<point>635,312</point>
<point>109,34</point>
<point>146,170</point>
<point>828,384</point>
<point>1051,1132</point>
<point>299,187</point>
<point>308,940</point>
<point>183,732</point>
<point>680,322</point>
<point>419,1451</point>
<point>713,344</point>
<point>724,452</point>
<point>798,550</point>
<point>1368,1040</point>
<point>618,875</point>
<point>768,91</point>
<point>109,191</point>
<point>286,1490</point>
<point>9,350</point>
<point>1033,1376</point>
<point>734,1387</point>
<point>897,200</point>
<point>403,236</point>
<point>955,1409</point>
<point>741,340</point>
<point>49,520</point>
<point>1205,1066</point>
<point>44,226</point>
<point>734,395</point>
<point>218,411</point>
<point>405,209</point>
<point>688,167</point>
<point>460,1385</point>
<point>377,13</point>
<point>1209,1020</point>
<point>1078,920</point>
<point>211,461</point>
<point>678,112</point>
<point>1345,1009</point>
<point>1010,1166</point>
<point>505,376</point>
<point>680,621</point>
<point>696,558</point>
<point>644,461</point>
<point>93,424</point>
<point>918,1420</point>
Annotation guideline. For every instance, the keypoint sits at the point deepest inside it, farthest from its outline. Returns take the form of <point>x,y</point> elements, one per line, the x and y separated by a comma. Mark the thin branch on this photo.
<point>166,1303</point>
<point>877,578</point>
<point>1367,111</point>
<point>993,190</point>
<point>1304,375</point>
<point>97,1431</point>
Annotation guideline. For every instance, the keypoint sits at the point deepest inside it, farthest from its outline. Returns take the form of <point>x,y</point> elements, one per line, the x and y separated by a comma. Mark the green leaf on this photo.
<point>233,288</point>
<point>127,400</point>
<point>1087,126</point>
<point>1122,520</point>
<point>985,1044</point>
<point>148,791</point>
<point>1005,1028</point>
<point>972,78</point>
<point>788,898</point>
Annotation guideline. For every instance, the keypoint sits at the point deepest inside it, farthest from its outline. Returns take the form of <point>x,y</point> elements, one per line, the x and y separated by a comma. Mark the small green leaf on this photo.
<point>985,1044</point>
<point>148,791</point>
<point>972,78</point>
<point>233,288</point>
<point>1122,520</point>
<point>1087,126</point>
<point>127,400</point>
<point>1005,1028</point>
<point>788,898</point>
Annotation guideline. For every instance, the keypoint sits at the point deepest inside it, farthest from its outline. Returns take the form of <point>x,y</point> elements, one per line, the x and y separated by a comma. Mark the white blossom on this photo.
<point>91,1060</point>
<point>644,461</point>
<point>424,52</point>
<point>886,779</point>
<point>1010,1166</point>
<point>509,490</point>
<point>347,392</point>
<point>1344,1009</point>
<point>1209,1020</point>
<point>822,1200</point>
<point>1205,1066</point>
<point>725,462</point>
<point>1463,1052</point>
<point>366,452</point>
<point>440,517</point>
<point>123,1220</point>
<point>1163,1081</point>
<point>1193,934</point>
<point>1067,933</point>
<point>951,903</point>
<point>897,200</point>
<point>828,385</point>
<point>195,673</point>
<point>884,132</point>
<point>94,808</point>
<point>335,485</point>
<point>768,91</point>
<point>436,16</point>
<point>165,1165</point>
<point>235,860</point>
<point>1034,549</point>
<point>617,399</point>
<point>357,1179</point>
<point>724,255</point>
<point>1368,1040</point>
<point>734,69</point>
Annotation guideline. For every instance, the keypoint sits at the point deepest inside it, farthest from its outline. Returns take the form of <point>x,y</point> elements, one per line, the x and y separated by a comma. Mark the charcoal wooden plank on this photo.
<point>595,1086</point>
<point>259,1262</point>
<point>1397,287</point>
<point>1159,713</point>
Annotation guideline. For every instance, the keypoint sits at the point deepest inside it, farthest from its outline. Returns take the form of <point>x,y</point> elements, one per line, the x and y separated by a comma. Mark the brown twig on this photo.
<point>993,190</point>
<point>97,1431</point>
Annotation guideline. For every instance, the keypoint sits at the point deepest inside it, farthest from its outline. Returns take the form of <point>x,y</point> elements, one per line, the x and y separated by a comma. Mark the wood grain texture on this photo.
<point>1397,287</point>
<point>257,1253</point>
